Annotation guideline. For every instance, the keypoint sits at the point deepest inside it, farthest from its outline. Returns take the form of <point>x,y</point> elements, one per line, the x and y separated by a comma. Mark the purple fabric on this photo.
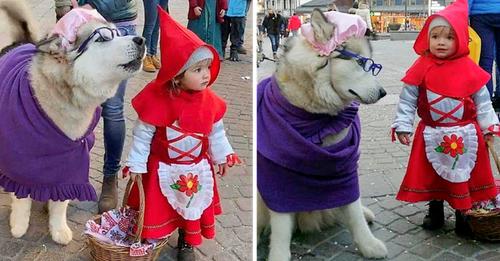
<point>293,172</point>
<point>36,158</point>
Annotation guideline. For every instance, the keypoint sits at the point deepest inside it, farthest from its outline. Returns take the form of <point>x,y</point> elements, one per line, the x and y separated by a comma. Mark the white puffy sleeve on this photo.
<point>405,114</point>
<point>218,144</point>
<point>141,144</point>
<point>486,115</point>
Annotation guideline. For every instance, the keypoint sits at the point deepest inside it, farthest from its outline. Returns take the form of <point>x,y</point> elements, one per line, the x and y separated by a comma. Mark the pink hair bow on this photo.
<point>68,25</point>
<point>346,26</point>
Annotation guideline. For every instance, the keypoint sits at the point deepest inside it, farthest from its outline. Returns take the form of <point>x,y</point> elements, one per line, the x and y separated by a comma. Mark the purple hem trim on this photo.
<point>81,192</point>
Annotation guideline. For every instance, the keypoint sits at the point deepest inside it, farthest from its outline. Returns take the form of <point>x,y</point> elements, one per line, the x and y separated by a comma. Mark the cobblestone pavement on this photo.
<point>381,168</point>
<point>234,228</point>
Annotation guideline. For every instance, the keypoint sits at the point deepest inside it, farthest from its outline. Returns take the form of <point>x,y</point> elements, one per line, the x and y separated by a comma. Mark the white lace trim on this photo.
<point>190,208</point>
<point>452,169</point>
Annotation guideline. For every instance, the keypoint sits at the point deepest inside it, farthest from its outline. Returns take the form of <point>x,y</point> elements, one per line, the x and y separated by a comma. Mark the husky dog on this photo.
<point>320,85</point>
<point>68,83</point>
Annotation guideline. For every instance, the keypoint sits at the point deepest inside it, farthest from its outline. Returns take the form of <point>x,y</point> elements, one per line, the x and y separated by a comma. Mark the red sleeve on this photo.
<point>193,3</point>
<point>223,4</point>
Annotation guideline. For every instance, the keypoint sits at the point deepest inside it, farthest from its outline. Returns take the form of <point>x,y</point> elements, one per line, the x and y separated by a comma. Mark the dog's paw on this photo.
<point>17,229</point>
<point>373,248</point>
<point>369,216</point>
<point>61,235</point>
<point>279,256</point>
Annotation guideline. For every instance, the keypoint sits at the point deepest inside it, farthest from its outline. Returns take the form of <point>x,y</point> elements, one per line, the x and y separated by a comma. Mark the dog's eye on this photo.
<point>100,39</point>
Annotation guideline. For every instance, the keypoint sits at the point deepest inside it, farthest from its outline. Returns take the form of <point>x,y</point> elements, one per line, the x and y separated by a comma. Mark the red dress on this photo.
<point>422,183</point>
<point>160,218</point>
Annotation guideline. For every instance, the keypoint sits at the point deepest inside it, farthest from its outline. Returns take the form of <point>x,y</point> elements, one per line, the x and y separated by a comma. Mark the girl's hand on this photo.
<point>222,169</point>
<point>222,13</point>
<point>197,11</point>
<point>404,138</point>
<point>134,175</point>
<point>489,138</point>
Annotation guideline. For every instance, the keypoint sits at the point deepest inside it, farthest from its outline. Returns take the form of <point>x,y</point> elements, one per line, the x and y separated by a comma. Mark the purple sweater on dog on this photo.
<point>36,158</point>
<point>294,173</point>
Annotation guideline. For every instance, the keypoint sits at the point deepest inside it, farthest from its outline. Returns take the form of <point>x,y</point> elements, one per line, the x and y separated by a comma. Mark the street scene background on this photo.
<point>233,239</point>
<point>381,170</point>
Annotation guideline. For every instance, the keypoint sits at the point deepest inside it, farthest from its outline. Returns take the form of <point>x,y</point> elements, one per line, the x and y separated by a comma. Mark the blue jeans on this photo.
<point>275,41</point>
<point>487,27</point>
<point>114,122</point>
<point>152,24</point>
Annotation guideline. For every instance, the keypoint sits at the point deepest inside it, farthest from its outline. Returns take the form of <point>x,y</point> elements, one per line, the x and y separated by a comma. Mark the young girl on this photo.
<point>178,135</point>
<point>449,158</point>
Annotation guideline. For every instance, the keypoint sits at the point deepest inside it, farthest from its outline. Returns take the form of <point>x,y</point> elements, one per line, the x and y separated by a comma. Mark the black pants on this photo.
<point>233,28</point>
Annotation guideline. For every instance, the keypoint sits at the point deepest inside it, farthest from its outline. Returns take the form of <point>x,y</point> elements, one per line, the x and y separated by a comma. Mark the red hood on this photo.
<point>457,16</point>
<point>177,43</point>
<point>457,75</point>
<point>157,105</point>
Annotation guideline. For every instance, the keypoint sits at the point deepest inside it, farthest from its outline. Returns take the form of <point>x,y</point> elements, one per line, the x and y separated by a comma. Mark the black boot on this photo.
<point>462,228</point>
<point>185,252</point>
<point>109,195</point>
<point>435,219</point>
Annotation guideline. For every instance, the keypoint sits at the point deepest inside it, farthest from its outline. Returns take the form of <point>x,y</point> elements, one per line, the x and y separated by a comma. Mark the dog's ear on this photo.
<point>322,29</point>
<point>53,46</point>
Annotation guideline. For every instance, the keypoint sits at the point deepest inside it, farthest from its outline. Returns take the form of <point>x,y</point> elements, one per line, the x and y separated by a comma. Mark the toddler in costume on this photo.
<point>449,158</point>
<point>177,138</point>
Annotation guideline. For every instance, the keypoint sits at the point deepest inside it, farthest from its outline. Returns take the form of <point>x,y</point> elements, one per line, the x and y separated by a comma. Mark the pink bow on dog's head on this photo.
<point>67,27</point>
<point>346,26</point>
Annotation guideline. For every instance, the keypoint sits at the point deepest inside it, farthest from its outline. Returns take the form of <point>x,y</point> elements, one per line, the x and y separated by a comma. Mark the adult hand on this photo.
<point>197,11</point>
<point>222,13</point>
<point>489,138</point>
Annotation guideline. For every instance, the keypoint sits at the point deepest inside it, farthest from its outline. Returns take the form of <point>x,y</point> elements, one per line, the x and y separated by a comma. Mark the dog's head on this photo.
<point>327,83</point>
<point>95,62</point>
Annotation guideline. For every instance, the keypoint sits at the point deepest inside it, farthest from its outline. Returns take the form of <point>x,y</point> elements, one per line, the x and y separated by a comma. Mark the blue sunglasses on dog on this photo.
<point>105,34</point>
<point>366,63</point>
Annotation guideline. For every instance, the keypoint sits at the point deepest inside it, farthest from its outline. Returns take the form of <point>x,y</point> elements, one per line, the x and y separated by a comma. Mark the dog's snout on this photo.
<point>382,93</point>
<point>139,40</point>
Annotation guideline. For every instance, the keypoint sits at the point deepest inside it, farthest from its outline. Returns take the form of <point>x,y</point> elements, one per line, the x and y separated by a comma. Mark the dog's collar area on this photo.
<point>105,34</point>
<point>366,63</point>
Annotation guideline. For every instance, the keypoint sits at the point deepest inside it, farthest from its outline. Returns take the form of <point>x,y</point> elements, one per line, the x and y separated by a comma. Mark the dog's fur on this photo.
<point>320,84</point>
<point>67,90</point>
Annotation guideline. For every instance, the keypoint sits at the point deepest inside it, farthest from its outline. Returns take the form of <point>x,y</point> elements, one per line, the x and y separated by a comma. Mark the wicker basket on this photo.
<point>102,251</point>
<point>486,226</point>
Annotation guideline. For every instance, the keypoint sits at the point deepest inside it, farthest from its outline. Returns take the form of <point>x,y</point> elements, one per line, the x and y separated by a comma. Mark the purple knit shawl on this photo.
<point>293,172</point>
<point>36,158</point>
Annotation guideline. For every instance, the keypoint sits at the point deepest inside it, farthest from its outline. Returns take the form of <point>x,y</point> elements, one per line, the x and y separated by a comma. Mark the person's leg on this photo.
<point>272,40</point>
<point>114,137</point>
<point>225,32</point>
<point>236,37</point>
<point>150,16</point>
<point>485,32</point>
<point>240,31</point>
<point>155,35</point>
<point>497,58</point>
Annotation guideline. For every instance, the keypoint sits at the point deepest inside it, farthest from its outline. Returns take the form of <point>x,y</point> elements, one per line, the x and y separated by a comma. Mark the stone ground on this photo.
<point>381,168</point>
<point>234,227</point>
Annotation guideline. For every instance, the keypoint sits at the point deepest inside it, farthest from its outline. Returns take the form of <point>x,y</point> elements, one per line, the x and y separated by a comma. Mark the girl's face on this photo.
<point>442,42</point>
<point>196,77</point>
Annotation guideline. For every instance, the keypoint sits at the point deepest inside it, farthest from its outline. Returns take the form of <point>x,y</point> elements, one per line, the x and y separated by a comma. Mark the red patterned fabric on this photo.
<point>160,219</point>
<point>422,183</point>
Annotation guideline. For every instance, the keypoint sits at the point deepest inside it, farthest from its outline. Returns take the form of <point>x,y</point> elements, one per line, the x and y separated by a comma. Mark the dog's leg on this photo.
<point>352,217</point>
<point>282,225</point>
<point>20,215</point>
<point>58,226</point>
<point>262,216</point>
<point>369,216</point>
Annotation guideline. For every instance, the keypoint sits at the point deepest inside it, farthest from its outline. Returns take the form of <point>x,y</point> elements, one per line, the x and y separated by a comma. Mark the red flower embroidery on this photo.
<point>453,145</point>
<point>188,184</point>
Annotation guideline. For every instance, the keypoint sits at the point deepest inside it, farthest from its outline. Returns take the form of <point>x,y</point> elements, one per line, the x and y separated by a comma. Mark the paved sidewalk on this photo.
<point>234,228</point>
<point>381,168</point>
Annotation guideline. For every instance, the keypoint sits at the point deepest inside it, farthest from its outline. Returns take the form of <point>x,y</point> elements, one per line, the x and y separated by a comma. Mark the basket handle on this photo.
<point>494,154</point>
<point>140,218</point>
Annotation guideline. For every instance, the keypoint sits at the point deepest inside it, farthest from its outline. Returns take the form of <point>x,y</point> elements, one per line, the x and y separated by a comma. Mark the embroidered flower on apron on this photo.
<point>188,185</point>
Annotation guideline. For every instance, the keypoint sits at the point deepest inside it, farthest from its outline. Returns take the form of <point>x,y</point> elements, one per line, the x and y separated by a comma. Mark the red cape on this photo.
<point>158,106</point>
<point>457,76</point>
